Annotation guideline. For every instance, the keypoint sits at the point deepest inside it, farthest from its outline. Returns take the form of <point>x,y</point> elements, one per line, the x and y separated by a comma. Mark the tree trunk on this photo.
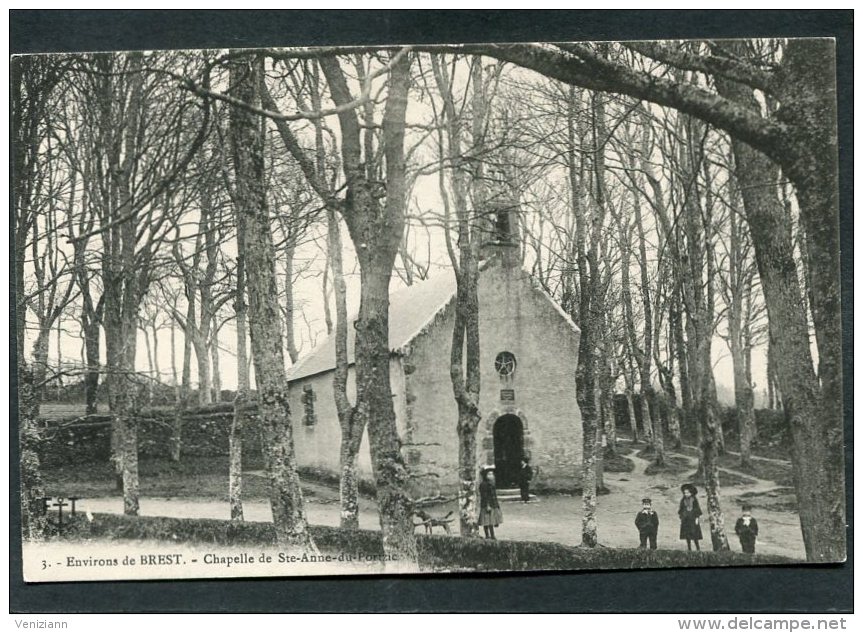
<point>468,503</point>
<point>374,403</point>
<point>286,497</point>
<point>630,413</point>
<point>673,417</point>
<point>773,398</point>
<point>352,427</point>
<point>464,349</point>
<point>819,443</point>
<point>150,368</point>
<point>609,421</point>
<point>644,357</point>
<point>92,353</point>
<point>674,413</point>
<point>743,396</point>
<point>589,536</point>
<point>466,381</point>
<point>744,403</point>
<point>688,419</point>
<point>293,352</point>
<point>600,452</point>
<point>157,372</point>
<point>33,521</point>
<point>710,469</point>
<point>40,360</point>
<point>699,307</point>
<point>646,421</point>
<point>235,455</point>
<point>589,220</point>
<point>185,384</point>
<point>658,437</point>
<point>814,415</point>
<point>349,494</point>
<point>265,327</point>
<point>123,284</point>
<point>241,401</point>
<point>120,335</point>
<point>376,233</point>
<point>202,356</point>
<point>814,468</point>
<point>216,378</point>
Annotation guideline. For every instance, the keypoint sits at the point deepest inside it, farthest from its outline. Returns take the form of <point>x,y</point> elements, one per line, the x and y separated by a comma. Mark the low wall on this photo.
<point>436,552</point>
<point>87,440</point>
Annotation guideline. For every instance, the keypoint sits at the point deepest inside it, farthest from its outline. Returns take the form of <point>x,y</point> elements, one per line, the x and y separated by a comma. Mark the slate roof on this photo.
<point>411,310</point>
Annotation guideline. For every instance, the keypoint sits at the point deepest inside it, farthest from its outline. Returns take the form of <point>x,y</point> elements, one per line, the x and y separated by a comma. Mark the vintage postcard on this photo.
<point>409,309</point>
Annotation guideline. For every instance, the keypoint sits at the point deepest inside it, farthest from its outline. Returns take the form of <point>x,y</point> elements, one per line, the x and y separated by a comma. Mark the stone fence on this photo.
<point>205,430</point>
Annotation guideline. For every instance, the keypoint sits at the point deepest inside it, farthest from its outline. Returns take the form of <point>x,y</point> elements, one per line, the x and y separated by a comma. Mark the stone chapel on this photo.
<point>529,348</point>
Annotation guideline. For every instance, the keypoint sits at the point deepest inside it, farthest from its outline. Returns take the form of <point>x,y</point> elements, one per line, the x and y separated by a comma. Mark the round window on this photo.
<point>504,363</point>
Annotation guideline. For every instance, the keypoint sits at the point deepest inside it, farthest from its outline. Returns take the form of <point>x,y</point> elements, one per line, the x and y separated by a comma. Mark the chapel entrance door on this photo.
<point>508,450</point>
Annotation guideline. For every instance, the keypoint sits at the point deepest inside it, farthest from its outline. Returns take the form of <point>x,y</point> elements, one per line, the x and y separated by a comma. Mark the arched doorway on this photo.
<point>508,450</point>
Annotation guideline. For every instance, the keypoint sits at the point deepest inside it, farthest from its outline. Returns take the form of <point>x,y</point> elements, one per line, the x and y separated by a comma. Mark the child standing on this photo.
<point>647,522</point>
<point>490,515</point>
<point>689,513</point>
<point>747,530</point>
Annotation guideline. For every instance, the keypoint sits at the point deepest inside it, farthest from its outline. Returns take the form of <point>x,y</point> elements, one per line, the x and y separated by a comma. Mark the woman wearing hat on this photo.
<point>490,515</point>
<point>689,511</point>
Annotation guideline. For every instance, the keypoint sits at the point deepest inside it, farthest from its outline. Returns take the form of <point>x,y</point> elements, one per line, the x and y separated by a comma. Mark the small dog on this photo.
<point>431,522</point>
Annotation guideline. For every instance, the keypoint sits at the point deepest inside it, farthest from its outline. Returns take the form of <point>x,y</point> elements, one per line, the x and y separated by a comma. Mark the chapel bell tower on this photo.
<point>501,237</point>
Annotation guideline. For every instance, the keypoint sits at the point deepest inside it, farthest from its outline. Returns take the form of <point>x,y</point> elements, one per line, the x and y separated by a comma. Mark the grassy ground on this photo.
<point>197,488</point>
<point>198,477</point>
<point>437,552</point>
<point>674,465</point>
<point>778,499</point>
<point>618,462</point>
<point>727,478</point>
<point>761,467</point>
<point>193,478</point>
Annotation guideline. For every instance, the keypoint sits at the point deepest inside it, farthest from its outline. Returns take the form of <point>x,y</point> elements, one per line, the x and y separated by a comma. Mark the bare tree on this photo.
<point>465,349</point>
<point>589,217</point>
<point>738,286</point>
<point>314,167</point>
<point>698,301</point>
<point>802,141</point>
<point>376,230</point>
<point>265,327</point>
<point>33,79</point>
<point>135,217</point>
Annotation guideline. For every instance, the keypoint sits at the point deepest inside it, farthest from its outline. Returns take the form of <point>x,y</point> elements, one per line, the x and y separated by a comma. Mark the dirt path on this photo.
<point>779,530</point>
<point>551,518</point>
<point>257,510</point>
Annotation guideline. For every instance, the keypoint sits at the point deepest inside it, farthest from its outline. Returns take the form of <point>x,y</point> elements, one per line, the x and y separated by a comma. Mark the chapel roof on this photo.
<point>412,310</point>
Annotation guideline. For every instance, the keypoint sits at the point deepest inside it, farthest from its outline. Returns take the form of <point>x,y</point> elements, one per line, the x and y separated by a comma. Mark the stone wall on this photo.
<point>317,445</point>
<point>89,441</point>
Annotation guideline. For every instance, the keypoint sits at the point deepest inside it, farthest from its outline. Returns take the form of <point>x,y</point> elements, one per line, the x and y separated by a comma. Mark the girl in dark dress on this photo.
<point>490,515</point>
<point>689,511</point>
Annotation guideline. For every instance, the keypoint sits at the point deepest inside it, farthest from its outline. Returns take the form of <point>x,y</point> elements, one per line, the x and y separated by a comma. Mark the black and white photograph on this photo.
<point>427,309</point>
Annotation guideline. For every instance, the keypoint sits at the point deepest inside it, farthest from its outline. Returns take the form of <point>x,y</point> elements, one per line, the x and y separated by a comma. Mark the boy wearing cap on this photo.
<point>747,530</point>
<point>647,522</point>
